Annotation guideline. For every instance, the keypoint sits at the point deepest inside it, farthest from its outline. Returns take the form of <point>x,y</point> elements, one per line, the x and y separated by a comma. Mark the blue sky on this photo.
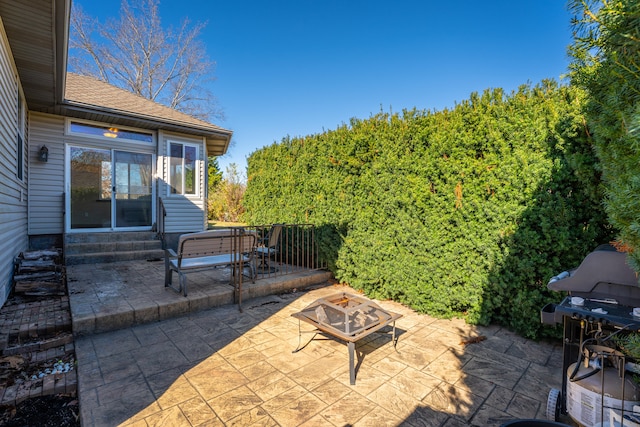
<point>299,67</point>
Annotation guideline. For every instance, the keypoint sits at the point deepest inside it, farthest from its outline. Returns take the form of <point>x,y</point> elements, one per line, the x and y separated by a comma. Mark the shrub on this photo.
<point>463,212</point>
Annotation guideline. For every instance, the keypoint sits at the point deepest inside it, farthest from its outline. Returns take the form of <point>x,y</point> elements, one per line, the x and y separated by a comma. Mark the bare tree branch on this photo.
<point>91,63</point>
<point>136,53</point>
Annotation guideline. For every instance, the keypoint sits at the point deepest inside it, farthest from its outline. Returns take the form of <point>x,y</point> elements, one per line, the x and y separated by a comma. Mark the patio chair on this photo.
<point>268,248</point>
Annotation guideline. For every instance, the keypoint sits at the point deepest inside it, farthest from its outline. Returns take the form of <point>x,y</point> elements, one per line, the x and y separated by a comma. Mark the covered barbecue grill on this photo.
<point>602,305</point>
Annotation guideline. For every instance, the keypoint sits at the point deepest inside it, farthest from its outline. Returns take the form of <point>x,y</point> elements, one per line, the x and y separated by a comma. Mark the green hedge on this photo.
<point>462,212</point>
<point>606,63</point>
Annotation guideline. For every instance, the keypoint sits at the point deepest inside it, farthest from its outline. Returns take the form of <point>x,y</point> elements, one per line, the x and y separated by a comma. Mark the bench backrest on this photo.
<point>216,242</point>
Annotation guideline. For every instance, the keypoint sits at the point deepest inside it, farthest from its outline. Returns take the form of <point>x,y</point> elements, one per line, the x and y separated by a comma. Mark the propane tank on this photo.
<point>585,395</point>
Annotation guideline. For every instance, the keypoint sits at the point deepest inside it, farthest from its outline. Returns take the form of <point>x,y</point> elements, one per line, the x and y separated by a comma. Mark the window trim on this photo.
<point>197,171</point>
<point>20,135</point>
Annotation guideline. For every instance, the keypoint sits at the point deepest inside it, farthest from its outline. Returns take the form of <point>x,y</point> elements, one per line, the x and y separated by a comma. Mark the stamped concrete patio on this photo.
<point>217,366</point>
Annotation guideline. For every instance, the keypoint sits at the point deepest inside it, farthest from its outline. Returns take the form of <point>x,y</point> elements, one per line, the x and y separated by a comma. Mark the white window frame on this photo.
<point>196,172</point>
<point>21,140</point>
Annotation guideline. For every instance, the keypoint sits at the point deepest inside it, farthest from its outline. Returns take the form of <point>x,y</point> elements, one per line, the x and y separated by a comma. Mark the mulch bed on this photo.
<point>59,410</point>
<point>35,340</point>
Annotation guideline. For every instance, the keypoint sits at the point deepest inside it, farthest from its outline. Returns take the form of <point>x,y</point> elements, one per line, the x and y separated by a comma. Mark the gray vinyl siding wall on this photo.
<point>184,213</point>
<point>46,180</point>
<point>13,191</point>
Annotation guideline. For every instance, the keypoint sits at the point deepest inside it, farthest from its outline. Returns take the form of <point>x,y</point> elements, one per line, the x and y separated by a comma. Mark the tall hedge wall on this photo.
<point>462,212</point>
<point>606,63</point>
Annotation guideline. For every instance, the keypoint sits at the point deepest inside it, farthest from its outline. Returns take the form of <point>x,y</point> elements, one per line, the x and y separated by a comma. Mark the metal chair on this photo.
<point>268,248</point>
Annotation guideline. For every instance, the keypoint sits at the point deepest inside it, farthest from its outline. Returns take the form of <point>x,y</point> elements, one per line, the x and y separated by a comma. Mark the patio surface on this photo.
<point>217,366</point>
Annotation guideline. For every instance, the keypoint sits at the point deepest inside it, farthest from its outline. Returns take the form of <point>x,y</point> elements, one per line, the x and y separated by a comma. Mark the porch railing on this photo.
<point>161,214</point>
<point>296,250</point>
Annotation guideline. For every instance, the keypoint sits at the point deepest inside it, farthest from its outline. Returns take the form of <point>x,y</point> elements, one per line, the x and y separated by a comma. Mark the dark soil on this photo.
<point>48,411</point>
<point>59,410</point>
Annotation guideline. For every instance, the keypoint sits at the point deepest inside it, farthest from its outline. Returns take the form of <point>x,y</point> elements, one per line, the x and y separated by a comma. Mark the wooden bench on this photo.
<point>210,249</point>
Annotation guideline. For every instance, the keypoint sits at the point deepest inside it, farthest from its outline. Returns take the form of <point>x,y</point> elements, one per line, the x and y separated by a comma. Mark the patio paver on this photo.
<point>218,366</point>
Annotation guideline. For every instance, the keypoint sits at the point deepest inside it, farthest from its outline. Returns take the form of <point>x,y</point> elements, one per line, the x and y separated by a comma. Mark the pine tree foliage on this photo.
<point>214,174</point>
<point>462,212</point>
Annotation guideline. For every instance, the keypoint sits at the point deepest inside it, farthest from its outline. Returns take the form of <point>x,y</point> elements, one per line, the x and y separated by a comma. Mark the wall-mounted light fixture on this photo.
<point>43,154</point>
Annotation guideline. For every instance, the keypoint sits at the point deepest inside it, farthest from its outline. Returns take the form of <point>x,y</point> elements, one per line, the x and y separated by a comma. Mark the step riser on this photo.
<point>87,248</point>
<point>93,248</point>
<point>103,257</point>
<point>71,238</point>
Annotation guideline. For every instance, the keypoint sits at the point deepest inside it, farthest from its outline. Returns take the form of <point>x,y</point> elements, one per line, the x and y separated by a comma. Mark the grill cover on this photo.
<point>604,273</point>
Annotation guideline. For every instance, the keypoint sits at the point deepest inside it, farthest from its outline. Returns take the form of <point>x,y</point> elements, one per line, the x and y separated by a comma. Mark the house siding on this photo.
<point>46,180</point>
<point>184,213</point>
<point>13,195</point>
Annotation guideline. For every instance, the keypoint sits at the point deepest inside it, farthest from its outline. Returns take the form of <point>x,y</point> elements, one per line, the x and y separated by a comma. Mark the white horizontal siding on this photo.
<point>13,197</point>
<point>46,180</point>
<point>183,215</point>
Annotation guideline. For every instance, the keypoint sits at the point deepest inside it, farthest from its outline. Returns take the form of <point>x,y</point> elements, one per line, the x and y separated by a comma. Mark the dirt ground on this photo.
<point>48,411</point>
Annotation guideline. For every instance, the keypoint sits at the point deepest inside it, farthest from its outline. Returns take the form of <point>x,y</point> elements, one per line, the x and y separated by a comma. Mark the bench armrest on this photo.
<point>170,253</point>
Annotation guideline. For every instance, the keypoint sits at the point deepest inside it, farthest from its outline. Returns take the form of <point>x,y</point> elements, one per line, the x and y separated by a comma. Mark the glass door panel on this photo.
<point>91,187</point>
<point>175,167</point>
<point>133,189</point>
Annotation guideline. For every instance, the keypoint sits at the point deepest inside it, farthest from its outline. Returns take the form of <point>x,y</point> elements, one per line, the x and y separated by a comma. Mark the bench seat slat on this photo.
<point>206,261</point>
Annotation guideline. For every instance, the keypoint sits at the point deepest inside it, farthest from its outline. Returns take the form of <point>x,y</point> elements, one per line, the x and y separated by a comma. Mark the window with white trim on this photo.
<point>20,137</point>
<point>183,169</point>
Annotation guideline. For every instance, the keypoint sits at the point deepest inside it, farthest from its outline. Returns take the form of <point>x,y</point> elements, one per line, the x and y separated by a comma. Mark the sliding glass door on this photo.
<point>109,189</point>
<point>134,180</point>
<point>90,187</point>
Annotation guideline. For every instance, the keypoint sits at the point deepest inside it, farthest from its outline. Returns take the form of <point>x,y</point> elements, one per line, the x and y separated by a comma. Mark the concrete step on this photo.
<point>117,246</point>
<point>92,248</point>
<point>116,256</point>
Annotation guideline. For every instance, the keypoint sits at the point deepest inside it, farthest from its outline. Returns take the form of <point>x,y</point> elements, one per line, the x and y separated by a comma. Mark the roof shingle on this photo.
<point>88,91</point>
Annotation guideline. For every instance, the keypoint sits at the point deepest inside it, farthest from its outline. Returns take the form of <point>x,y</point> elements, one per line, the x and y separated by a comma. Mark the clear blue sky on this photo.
<point>298,67</point>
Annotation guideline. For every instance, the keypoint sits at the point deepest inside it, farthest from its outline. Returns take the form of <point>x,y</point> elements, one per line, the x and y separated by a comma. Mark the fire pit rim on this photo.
<point>333,331</point>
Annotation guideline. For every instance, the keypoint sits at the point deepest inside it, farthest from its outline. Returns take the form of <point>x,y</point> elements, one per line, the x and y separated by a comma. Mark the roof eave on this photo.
<point>38,33</point>
<point>62,19</point>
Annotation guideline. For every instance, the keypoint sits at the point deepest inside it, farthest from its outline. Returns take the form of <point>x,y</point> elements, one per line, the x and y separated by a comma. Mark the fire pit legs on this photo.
<point>394,340</point>
<point>300,332</point>
<point>352,370</point>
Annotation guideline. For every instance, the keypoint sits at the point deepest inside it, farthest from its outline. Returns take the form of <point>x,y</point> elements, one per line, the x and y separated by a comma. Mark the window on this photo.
<point>20,137</point>
<point>183,173</point>
<point>103,131</point>
<point>20,173</point>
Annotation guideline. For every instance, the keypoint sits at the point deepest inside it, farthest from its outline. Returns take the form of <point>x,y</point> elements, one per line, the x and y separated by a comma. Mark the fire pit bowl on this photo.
<point>347,317</point>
